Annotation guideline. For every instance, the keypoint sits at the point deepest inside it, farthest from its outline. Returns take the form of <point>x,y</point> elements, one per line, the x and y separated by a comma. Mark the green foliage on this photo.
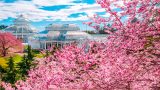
<point>17,67</point>
<point>40,55</point>
<point>29,54</point>
<point>23,67</point>
<point>37,53</point>
<point>90,32</point>
<point>3,60</point>
<point>51,51</point>
<point>102,32</point>
<point>2,70</point>
<point>34,51</point>
<point>10,64</point>
<point>150,41</point>
<point>3,27</point>
<point>10,75</point>
<point>26,63</point>
<point>17,58</point>
<point>47,53</point>
<point>1,88</point>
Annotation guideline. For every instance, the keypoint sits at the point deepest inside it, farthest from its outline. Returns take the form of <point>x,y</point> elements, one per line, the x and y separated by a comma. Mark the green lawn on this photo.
<point>3,60</point>
<point>39,55</point>
<point>18,57</point>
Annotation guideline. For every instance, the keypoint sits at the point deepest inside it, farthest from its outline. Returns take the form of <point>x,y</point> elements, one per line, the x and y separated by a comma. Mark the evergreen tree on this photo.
<point>23,67</point>
<point>10,64</point>
<point>47,53</point>
<point>2,71</point>
<point>29,53</point>
<point>11,72</point>
<point>3,27</point>
<point>30,57</point>
<point>26,63</point>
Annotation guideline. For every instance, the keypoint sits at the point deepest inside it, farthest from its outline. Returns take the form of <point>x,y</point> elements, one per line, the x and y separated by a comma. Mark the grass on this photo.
<point>39,55</point>
<point>18,57</point>
<point>3,60</point>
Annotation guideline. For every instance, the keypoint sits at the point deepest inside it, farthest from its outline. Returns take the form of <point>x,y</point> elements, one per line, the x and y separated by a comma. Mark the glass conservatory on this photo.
<point>21,29</point>
<point>59,35</point>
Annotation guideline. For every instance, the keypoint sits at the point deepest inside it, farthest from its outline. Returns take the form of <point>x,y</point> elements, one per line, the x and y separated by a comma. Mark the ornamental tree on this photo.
<point>9,43</point>
<point>129,60</point>
<point>134,48</point>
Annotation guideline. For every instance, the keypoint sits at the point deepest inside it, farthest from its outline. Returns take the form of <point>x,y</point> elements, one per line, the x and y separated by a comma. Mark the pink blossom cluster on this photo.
<point>129,60</point>
<point>9,43</point>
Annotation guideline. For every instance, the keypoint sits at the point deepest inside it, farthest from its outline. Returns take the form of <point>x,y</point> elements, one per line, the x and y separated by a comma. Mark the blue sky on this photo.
<point>43,12</point>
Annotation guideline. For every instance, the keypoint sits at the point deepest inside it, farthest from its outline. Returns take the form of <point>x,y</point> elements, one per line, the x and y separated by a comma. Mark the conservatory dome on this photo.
<point>21,29</point>
<point>59,35</point>
<point>64,31</point>
<point>20,25</point>
<point>61,27</point>
<point>68,34</point>
<point>21,20</point>
<point>15,29</point>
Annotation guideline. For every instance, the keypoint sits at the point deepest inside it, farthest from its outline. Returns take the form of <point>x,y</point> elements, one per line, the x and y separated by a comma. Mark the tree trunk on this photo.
<point>4,53</point>
<point>128,85</point>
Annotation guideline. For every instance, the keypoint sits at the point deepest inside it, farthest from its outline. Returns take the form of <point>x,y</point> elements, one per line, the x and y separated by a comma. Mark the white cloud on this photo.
<point>90,10</point>
<point>52,2</point>
<point>31,10</point>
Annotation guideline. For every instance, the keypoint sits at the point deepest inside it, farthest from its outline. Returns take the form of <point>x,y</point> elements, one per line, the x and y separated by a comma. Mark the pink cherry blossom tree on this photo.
<point>9,43</point>
<point>129,60</point>
<point>134,47</point>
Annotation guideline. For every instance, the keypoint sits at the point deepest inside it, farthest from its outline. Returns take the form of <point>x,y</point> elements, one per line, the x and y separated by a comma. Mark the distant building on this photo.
<point>21,29</point>
<point>59,35</point>
<point>54,34</point>
<point>99,37</point>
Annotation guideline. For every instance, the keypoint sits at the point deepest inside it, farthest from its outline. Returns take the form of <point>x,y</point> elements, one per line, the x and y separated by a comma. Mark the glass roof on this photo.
<point>61,27</point>
<point>17,29</point>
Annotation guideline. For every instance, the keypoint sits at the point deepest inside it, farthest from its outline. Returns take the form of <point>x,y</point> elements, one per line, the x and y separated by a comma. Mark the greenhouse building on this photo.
<point>21,29</point>
<point>59,35</point>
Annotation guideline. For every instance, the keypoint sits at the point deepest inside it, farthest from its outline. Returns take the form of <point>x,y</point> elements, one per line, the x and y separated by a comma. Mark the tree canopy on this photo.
<point>9,43</point>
